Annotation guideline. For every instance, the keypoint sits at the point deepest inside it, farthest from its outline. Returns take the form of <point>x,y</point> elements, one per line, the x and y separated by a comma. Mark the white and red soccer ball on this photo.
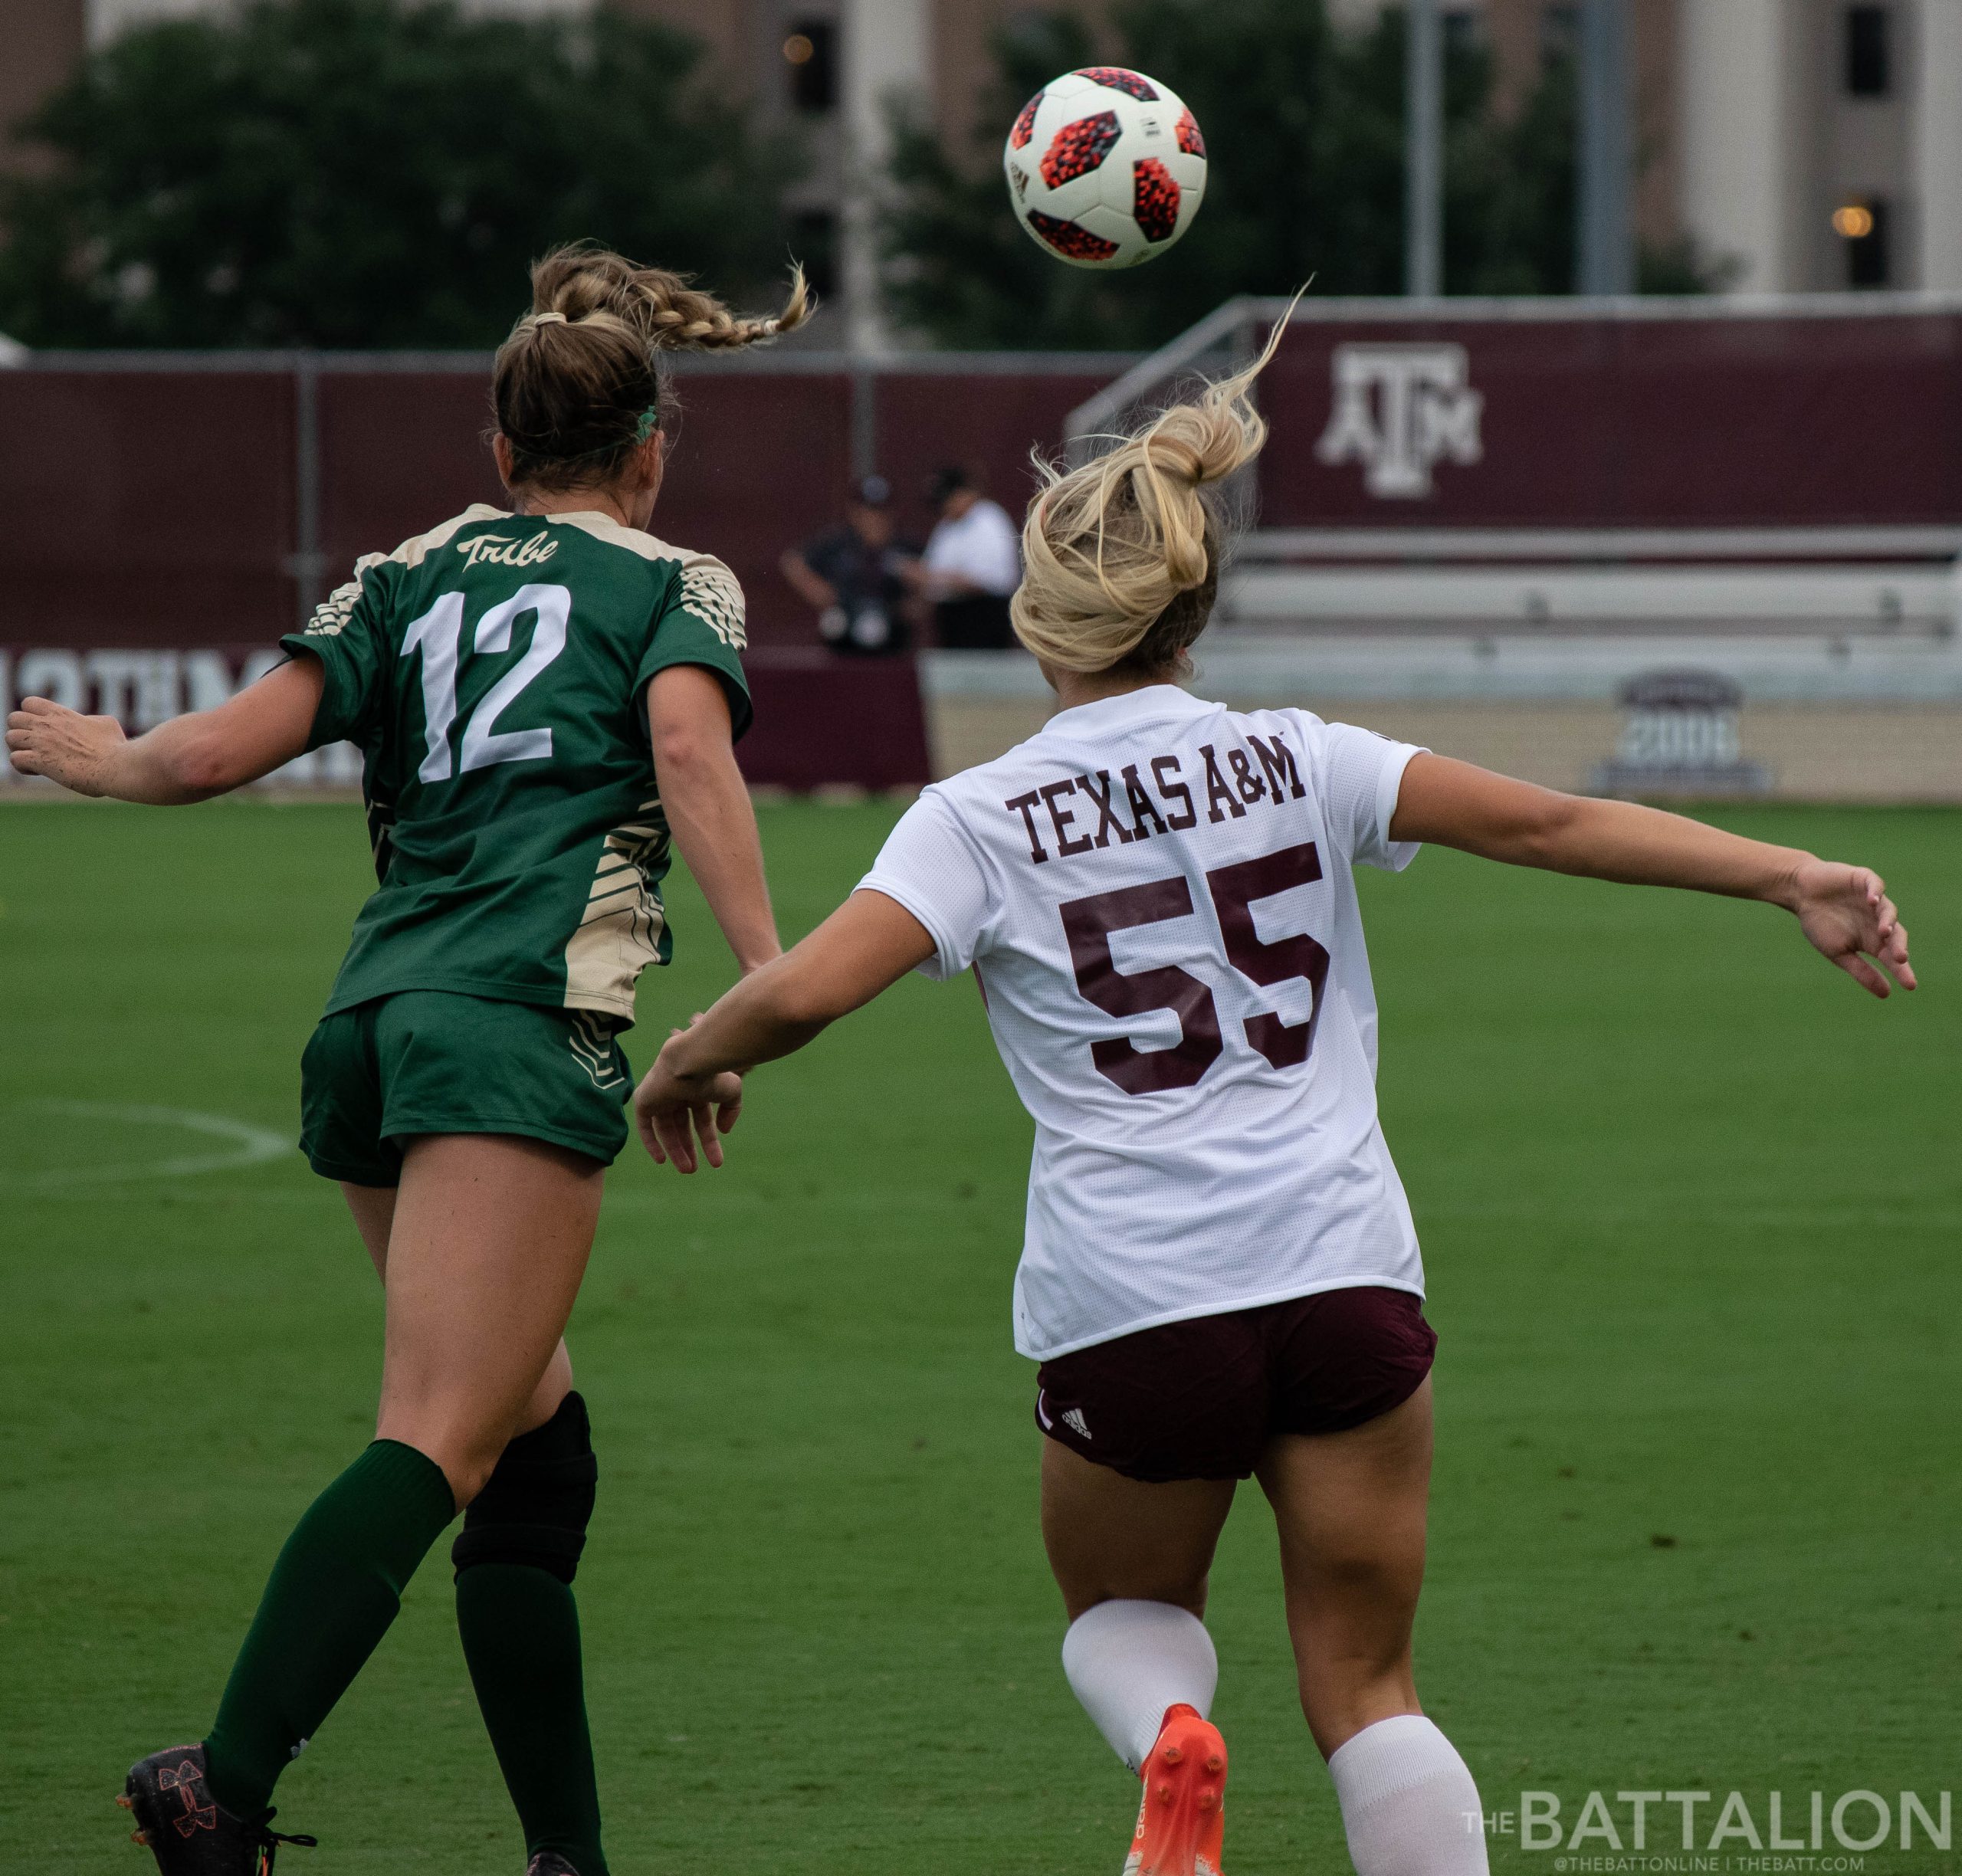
<point>1106,167</point>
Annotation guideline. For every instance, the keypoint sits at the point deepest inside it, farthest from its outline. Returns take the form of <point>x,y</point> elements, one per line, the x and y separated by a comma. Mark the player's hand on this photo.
<point>672,1115</point>
<point>44,738</point>
<point>1845,912</point>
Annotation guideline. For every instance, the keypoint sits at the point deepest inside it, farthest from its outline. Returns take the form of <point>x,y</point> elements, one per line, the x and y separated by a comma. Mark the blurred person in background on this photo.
<point>972,564</point>
<point>547,699</point>
<point>854,575</point>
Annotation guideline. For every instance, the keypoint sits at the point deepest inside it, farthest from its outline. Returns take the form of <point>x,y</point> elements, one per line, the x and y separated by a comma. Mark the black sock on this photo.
<point>520,1629</point>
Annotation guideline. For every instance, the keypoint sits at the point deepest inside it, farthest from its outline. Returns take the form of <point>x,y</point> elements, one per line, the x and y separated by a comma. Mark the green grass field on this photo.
<point>1690,1204</point>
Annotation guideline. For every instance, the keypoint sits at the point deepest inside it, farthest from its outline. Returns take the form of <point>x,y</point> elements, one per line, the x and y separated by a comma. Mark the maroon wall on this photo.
<point>398,452</point>
<point>140,508</point>
<point>822,720</point>
<point>1719,422</point>
<point>759,463</point>
<point>161,508</point>
<point>988,420</point>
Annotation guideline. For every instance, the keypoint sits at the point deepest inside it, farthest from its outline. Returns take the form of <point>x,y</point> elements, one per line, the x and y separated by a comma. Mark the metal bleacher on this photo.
<point>1822,615</point>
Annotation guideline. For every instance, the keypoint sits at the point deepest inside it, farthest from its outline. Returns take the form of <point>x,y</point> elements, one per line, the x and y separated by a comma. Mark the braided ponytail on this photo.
<point>583,282</point>
<point>580,383</point>
<point>1121,556</point>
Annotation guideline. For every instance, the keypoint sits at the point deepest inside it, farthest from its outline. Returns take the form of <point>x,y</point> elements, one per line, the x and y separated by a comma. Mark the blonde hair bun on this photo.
<point>1112,548</point>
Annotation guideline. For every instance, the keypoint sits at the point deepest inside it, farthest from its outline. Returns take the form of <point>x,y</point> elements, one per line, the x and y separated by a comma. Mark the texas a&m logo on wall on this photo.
<point>1398,410</point>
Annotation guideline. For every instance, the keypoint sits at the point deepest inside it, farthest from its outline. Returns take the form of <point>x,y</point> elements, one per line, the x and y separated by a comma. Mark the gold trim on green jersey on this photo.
<point>619,932</point>
<point>329,619</point>
<point>709,590</point>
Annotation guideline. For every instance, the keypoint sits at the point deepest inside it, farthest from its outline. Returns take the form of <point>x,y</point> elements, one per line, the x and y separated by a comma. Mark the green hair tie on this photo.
<point>650,421</point>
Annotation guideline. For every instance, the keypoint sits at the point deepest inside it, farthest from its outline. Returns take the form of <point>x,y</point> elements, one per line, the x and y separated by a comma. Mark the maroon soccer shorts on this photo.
<point>1201,1398</point>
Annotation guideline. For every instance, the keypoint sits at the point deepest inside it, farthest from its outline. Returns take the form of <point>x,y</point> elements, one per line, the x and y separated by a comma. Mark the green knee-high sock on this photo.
<point>330,1599</point>
<point>520,1629</point>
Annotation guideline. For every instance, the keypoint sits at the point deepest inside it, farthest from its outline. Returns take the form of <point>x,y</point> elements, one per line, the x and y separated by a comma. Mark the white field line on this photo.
<point>247,1146</point>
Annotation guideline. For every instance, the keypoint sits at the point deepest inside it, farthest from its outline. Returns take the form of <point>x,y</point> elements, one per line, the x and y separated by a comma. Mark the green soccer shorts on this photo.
<point>432,1061</point>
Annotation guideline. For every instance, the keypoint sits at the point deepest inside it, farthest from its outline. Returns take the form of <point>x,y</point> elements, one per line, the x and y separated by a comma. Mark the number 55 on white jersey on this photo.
<point>1158,895</point>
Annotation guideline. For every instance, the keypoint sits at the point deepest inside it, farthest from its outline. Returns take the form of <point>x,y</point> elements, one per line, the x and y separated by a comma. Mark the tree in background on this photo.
<point>1304,129</point>
<point>356,173</point>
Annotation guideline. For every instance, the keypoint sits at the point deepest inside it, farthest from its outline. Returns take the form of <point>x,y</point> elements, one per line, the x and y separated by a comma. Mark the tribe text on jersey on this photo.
<point>1158,896</point>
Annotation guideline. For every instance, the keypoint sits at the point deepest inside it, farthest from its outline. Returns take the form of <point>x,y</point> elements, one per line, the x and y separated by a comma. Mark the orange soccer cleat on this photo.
<point>1181,1820</point>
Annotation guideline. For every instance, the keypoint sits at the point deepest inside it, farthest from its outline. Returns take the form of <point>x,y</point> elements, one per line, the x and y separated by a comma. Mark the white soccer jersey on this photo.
<point>1157,894</point>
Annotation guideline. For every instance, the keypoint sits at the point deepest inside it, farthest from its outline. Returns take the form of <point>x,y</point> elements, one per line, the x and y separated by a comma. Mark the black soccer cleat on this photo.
<point>550,1863</point>
<point>186,1829</point>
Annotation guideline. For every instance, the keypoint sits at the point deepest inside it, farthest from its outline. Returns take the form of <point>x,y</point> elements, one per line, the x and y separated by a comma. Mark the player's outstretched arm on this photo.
<point>865,947</point>
<point>1844,910</point>
<point>189,758</point>
<point>708,808</point>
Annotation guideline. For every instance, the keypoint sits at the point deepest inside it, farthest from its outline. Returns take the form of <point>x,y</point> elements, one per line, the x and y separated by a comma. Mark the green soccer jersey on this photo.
<point>494,671</point>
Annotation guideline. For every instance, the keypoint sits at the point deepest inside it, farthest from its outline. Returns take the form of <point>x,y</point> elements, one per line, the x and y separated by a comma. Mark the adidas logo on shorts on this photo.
<point>1075,1421</point>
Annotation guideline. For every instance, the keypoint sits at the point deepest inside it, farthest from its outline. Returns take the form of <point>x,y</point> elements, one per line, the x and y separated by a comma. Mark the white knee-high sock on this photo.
<point>1408,1803</point>
<point>1127,1662</point>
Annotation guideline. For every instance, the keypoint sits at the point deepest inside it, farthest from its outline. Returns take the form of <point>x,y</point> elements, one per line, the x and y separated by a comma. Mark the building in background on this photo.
<point>1821,142</point>
<point>1812,144</point>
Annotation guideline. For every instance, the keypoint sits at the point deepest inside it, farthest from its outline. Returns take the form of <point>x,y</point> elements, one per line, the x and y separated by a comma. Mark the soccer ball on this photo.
<point>1105,167</point>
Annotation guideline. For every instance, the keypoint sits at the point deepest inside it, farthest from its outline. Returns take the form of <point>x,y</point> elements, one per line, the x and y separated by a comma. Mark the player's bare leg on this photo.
<point>1350,1508</point>
<point>519,1550</point>
<point>1110,1538</point>
<point>1132,1560</point>
<point>516,1611</point>
<point>373,1209</point>
<point>486,1248</point>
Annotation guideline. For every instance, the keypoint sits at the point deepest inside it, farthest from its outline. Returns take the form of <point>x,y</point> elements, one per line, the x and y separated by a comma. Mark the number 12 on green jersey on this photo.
<point>439,633</point>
